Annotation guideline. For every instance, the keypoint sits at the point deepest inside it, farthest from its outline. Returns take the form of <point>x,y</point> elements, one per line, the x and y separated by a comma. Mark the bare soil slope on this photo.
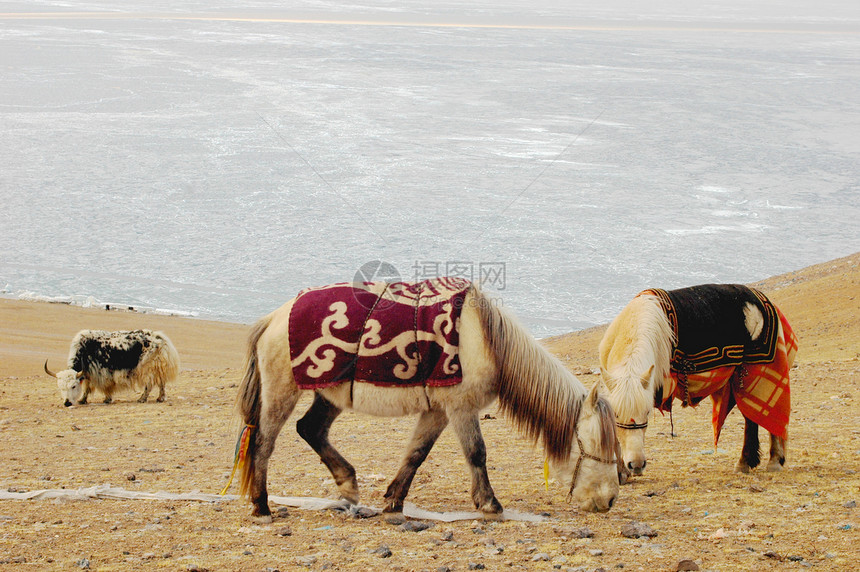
<point>699,508</point>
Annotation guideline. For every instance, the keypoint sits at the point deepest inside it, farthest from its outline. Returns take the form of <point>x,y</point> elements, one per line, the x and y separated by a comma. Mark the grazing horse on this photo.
<point>725,341</point>
<point>456,352</point>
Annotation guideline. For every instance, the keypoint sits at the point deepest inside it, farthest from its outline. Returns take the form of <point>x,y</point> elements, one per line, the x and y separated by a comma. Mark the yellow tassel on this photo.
<point>546,473</point>
<point>240,456</point>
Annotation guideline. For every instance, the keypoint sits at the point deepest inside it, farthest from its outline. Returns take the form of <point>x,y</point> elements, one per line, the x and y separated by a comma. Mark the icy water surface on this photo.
<point>199,157</point>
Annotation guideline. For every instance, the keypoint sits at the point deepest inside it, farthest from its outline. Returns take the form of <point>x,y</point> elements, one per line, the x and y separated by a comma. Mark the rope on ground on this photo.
<point>107,491</point>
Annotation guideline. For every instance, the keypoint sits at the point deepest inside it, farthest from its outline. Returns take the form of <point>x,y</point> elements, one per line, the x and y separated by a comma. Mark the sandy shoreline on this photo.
<point>34,331</point>
<point>822,302</point>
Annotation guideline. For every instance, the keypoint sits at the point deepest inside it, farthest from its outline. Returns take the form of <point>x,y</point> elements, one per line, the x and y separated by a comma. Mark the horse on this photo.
<point>726,341</point>
<point>494,357</point>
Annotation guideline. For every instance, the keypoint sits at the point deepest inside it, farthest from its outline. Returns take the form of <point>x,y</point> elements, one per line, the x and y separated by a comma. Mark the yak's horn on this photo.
<point>48,371</point>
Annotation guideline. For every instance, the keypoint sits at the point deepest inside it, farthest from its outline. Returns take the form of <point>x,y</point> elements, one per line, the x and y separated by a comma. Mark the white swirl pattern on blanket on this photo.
<point>322,351</point>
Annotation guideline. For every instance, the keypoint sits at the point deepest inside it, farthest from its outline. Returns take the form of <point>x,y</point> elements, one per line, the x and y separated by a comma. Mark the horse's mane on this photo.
<point>541,397</point>
<point>637,339</point>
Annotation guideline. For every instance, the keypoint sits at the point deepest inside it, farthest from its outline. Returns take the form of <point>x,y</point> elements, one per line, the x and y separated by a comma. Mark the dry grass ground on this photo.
<point>701,510</point>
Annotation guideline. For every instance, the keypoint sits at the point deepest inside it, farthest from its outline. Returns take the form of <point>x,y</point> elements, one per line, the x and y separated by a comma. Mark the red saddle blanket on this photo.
<point>754,375</point>
<point>398,333</point>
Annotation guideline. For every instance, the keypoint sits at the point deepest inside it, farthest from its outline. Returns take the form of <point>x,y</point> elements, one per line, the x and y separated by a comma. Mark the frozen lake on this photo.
<point>199,157</point>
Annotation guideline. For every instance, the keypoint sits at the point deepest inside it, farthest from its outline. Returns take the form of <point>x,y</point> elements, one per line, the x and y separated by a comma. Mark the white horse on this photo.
<point>741,351</point>
<point>499,359</point>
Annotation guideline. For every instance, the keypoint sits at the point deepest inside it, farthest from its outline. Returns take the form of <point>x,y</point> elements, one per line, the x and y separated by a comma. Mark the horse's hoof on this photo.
<point>160,399</point>
<point>495,516</point>
<point>261,513</point>
<point>342,504</point>
<point>350,496</point>
<point>774,467</point>
<point>141,400</point>
<point>742,467</point>
<point>491,510</point>
<point>394,517</point>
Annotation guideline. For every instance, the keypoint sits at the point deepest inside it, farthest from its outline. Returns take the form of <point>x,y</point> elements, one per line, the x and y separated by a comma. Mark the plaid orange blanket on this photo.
<point>759,387</point>
<point>400,333</point>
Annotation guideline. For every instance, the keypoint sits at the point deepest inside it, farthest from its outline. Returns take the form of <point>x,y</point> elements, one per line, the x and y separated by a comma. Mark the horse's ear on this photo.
<point>593,396</point>
<point>604,374</point>
<point>646,379</point>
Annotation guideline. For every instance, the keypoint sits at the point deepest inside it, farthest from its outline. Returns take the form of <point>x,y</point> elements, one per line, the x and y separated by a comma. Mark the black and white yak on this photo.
<point>108,361</point>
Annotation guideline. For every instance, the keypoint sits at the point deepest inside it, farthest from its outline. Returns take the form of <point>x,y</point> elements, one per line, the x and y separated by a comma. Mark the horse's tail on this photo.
<point>248,404</point>
<point>540,396</point>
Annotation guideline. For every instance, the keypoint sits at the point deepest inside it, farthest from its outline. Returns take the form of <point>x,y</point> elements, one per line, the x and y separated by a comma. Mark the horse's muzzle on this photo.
<point>637,468</point>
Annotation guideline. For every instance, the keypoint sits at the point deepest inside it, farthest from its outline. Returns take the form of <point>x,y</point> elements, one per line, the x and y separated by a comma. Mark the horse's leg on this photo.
<point>313,427</point>
<point>273,414</point>
<point>161,394</point>
<point>750,455</point>
<point>777,453</point>
<point>468,430</point>
<point>430,425</point>
<point>145,395</point>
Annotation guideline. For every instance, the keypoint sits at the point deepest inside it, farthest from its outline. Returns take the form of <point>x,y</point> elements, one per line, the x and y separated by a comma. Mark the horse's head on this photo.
<point>632,398</point>
<point>590,473</point>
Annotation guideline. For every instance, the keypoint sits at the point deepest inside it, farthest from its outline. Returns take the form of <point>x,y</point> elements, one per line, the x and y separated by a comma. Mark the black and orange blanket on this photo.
<point>397,333</point>
<point>715,355</point>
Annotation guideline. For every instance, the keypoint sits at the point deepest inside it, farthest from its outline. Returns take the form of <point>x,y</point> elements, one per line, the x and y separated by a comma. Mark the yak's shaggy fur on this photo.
<point>108,361</point>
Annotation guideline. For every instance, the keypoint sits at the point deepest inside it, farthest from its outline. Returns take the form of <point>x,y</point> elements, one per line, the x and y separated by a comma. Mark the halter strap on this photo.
<point>584,455</point>
<point>634,425</point>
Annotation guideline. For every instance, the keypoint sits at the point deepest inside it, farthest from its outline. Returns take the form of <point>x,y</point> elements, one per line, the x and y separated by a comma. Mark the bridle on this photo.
<point>584,455</point>
<point>633,425</point>
<point>622,468</point>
